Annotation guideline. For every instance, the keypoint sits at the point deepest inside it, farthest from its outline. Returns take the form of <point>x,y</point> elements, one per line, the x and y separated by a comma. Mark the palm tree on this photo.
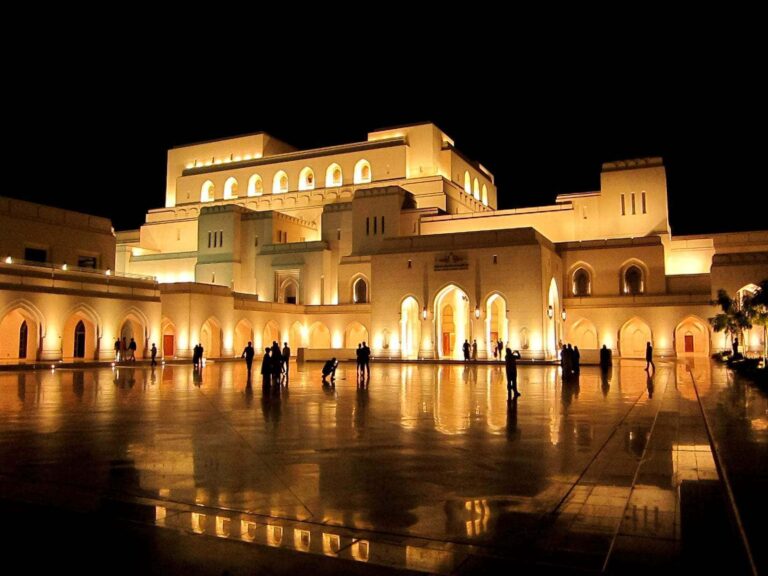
<point>732,320</point>
<point>756,308</point>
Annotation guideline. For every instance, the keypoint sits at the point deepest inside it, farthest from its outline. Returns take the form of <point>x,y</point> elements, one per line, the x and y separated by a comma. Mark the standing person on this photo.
<point>286,358</point>
<point>465,349</point>
<point>510,360</point>
<point>132,348</point>
<point>117,350</point>
<point>649,357</point>
<point>153,352</point>
<point>735,346</point>
<point>359,357</point>
<point>474,349</point>
<point>266,369</point>
<point>196,355</point>
<point>500,347</point>
<point>365,356</point>
<point>248,354</point>
<point>576,360</point>
<point>277,363</point>
<point>605,358</point>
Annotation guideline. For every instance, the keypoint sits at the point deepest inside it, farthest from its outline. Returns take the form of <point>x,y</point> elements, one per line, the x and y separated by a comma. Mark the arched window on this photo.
<point>633,281</point>
<point>306,179</point>
<point>362,172</point>
<point>360,291</point>
<point>23,334</point>
<point>289,292</point>
<point>333,176</point>
<point>280,182</point>
<point>582,284</point>
<point>255,185</point>
<point>230,188</point>
<point>485,195</point>
<point>467,182</point>
<point>476,189</point>
<point>207,191</point>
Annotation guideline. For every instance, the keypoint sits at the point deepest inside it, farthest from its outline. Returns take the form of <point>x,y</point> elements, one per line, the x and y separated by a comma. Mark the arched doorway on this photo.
<point>79,337</point>
<point>453,326</point>
<point>553,319</point>
<point>633,337</point>
<point>243,335</point>
<point>692,337</point>
<point>19,336</point>
<point>319,336</point>
<point>169,340</point>
<point>355,334</point>
<point>271,334</point>
<point>296,337</point>
<point>133,327</point>
<point>584,335</point>
<point>495,322</point>
<point>210,338</point>
<point>410,328</point>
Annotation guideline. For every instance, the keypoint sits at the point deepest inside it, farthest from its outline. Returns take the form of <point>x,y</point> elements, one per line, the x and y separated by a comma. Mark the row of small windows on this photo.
<point>280,184</point>
<point>474,190</point>
<point>215,239</point>
<point>288,293</point>
<point>633,281</point>
<point>375,225</point>
<point>632,206</point>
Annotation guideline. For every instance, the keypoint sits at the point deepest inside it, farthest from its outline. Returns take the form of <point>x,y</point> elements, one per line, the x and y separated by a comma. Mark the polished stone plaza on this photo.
<point>424,467</point>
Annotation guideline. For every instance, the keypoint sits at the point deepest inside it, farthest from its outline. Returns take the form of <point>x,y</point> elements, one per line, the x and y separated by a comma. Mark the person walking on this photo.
<point>649,357</point>
<point>248,354</point>
<point>510,360</point>
<point>153,353</point>
<point>286,358</point>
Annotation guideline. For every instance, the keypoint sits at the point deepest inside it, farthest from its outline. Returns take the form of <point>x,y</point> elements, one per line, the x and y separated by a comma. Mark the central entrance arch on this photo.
<point>452,318</point>
<point>410,328</point>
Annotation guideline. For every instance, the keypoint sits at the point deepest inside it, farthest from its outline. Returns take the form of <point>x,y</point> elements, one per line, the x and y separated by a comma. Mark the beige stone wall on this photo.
<point>65,235</point>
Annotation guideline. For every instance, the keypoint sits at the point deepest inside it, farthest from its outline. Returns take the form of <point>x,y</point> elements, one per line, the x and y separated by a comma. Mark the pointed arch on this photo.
<point>583,334</point>
<point>410,328</point>
<point>207,191</point>
<point>581,277</point>
<point>633,336</point>
<point>271,333</point>
<point>333,176</point>
<point>354,334</point>
<point>692,337</point>
<point>634,277</point>
<point>168,345</point>
<point>484,196</point>
<point>243,335</point>
<point>319,336</point>
<point>288,291</point>
<point>79,336</point>
<point>360,289</point>
<point>296,336</point>
<point>476,189</point>
<point>495,321</point>
<point>230,188</point>
<point>553,320</point>
<point>134,324</point>
<point>306,179</point>
<point>363,173</point>
<point>255,185</point>
<point>21,325</point>
<point>452,321</point>
<point>467,182</point>
<point>280,182</point>
<point>211,337</point>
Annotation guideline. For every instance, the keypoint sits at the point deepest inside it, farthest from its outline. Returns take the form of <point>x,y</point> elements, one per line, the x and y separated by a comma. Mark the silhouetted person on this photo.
<point>465,349</point>
<point>153,353</point>
<point>286,358</point>
<point>132,348</point>
<point>329,369</point>
<point>117,350</point>
<point>649,357</point>
<point>735,344</point>
<point>510,361</point>
<point>365,356</point>
<point>248,354</point>
<point>605,358</point>
<point>474,349</point>
<point>266,369</point>
<point>576,360</point>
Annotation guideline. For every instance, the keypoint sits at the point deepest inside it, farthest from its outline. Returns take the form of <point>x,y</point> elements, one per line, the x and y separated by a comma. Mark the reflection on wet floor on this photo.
<point>406,469</point>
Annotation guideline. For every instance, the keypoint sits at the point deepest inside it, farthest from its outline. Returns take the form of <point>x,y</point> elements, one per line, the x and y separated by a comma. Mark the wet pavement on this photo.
<point>428,468</point>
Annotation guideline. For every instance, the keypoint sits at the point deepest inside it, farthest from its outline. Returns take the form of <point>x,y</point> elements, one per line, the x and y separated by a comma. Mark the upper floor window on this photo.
<point>633,281</point>
<point>230,188</point>
<point>467,182</point>
<point>255,185</point>
<point>476,189</point>
<point>362,172</point>
<point>280,182</point>
<point>360,291</point>
<point>306,179</point>
<point>485,195</point>
<point>333,176</point>
<point>582,285</point>
<point>207,191</point>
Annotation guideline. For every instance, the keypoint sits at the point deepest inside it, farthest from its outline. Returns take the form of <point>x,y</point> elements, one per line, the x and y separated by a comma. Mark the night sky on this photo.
<point>98,142</point>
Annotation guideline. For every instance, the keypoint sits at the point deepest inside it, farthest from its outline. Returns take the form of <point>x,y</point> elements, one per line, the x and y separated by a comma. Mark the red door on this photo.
<point>168,349</point>
<point>689,342</point>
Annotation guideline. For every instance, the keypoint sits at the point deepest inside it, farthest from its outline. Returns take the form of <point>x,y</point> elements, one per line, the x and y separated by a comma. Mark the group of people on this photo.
<point>570,360</point>
<point>470,350</point>
<point>197,355</point>
<point>274,364</point>
<point>125,352</point>
<point>363,353</point>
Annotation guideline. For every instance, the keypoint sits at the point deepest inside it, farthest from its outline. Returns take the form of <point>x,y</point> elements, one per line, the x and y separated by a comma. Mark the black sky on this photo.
<point>95,139</point>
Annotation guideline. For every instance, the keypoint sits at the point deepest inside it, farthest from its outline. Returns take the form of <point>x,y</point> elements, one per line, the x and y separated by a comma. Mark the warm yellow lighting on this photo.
<point>218,161</point>
<point>550,312</point>
<point>562,314</point>
<point>257,155</point>
<point>63,266</point>
<point>9,260</point>
<point>247,157</point>
<point>477,311</point>
<point>424,313</point>
<point>108,272</point>
<point>190,165</point>
<point>238,158</point>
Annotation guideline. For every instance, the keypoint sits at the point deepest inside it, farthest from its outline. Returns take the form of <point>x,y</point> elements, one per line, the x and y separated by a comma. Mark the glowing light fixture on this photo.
<point>550,312</point>
<point>108,272</point>
<point>477,311</point>
<point>562,314</point>
<point>424,313</point>
<point>9,260</point>
<point>63,266</point>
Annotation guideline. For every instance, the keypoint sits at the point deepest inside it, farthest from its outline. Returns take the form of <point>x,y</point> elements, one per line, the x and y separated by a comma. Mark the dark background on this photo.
<point>91,134</point>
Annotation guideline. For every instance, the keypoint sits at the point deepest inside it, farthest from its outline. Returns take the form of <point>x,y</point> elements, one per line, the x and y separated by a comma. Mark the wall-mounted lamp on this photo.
<point>562,314</point>
<point>424,313</point>
<point>550,312</point>
<point>477,311</point>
